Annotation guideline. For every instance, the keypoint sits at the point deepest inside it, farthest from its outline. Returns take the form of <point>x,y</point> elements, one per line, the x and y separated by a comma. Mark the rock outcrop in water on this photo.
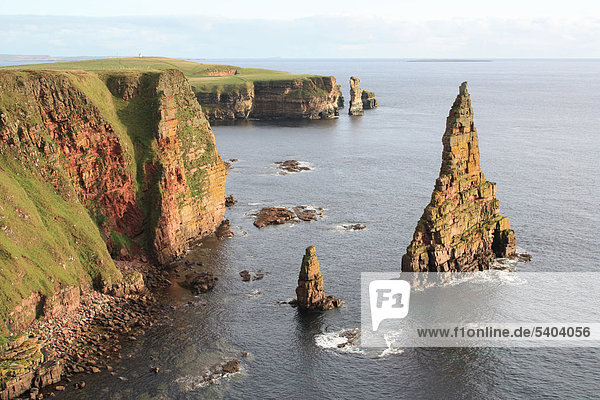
<point>360,99</point>
<point>310,291</point>
<point>316,97</point>
<point>356,104</point>
<point>368,100</point>
<point>461,229</point>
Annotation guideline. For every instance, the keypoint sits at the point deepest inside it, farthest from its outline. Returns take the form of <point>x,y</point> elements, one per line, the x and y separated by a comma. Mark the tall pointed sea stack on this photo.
<point>310,290</point>
<point>461,229</point>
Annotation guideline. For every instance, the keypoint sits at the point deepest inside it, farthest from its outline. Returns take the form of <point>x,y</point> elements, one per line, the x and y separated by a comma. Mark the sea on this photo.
<point>538,125</point>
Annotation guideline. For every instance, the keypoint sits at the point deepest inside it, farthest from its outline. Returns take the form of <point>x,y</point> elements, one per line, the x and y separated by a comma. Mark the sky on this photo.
<point>303,29</point>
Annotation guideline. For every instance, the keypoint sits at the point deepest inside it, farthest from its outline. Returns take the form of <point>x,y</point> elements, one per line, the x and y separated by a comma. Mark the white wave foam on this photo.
<point>339,341</point>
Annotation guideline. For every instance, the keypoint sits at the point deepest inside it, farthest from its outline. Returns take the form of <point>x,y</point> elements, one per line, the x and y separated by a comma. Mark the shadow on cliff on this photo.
<point>140,116</point>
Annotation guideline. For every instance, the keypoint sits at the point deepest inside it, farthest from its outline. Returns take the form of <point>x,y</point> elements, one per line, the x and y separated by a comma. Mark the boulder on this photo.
<point>230,201</point>
<point>199,282</point>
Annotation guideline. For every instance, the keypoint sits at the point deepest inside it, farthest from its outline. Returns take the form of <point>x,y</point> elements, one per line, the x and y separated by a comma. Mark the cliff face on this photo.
<point>306,98</point>
<point>192,185</point>
<point>461,229</point>
<point>92,163</point>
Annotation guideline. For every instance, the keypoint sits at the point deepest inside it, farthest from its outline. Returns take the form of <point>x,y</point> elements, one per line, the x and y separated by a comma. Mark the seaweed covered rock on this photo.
<point>310,291</point>
<point>461,229</point>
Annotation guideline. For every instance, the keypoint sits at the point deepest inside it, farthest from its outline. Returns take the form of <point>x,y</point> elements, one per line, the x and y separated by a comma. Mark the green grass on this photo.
<point>198,74</point>
<point>46,238</point>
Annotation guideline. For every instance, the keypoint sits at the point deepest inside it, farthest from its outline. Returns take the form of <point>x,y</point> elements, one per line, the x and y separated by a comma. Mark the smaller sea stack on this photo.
<point>310,291</point>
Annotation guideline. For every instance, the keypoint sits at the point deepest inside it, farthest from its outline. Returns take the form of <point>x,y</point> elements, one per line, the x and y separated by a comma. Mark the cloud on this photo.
<point>314,37</point>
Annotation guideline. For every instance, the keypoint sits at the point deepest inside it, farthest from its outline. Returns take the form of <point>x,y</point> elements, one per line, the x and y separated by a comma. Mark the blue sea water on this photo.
<point>537,122</point>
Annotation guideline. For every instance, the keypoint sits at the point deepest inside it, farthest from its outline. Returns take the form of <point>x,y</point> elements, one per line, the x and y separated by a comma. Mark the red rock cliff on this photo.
<point>94,159</point>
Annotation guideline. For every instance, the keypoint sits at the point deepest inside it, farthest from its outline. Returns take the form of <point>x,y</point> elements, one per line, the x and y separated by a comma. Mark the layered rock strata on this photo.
<point>310,291</point>
<point>368,100</point>
<point>356,104</point>
<point>316,97</point>
<point>461,228</point>
<point>92,163</point>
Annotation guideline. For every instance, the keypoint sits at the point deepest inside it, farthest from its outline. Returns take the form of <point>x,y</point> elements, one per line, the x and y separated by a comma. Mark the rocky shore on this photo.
<point>53,355</point>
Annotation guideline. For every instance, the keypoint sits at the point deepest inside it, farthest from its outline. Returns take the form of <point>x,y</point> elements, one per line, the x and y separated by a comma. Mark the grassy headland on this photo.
<point>202,77</point>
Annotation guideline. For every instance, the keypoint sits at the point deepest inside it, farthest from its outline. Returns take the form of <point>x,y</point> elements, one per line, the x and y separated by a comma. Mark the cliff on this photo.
<point>227,92</point>
<point>299,98</point>
<point>461,229</point>
<point>93,163</point>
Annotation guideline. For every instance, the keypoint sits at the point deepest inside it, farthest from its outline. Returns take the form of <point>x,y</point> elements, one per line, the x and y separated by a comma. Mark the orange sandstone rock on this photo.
<point>461,229</point>
<point>310,291</point>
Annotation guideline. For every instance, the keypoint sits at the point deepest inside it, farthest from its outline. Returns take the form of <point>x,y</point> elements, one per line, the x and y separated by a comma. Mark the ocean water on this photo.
<point>537,122</point>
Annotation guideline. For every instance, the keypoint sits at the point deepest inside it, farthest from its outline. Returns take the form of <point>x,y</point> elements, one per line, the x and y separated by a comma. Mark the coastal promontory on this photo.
<point>461,228</point>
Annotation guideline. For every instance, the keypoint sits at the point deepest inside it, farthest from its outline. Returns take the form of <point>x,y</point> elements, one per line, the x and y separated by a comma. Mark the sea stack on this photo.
<point>461,229</point>
<point>368,100</point>
<point>356,103</point>
<point>310,291</point>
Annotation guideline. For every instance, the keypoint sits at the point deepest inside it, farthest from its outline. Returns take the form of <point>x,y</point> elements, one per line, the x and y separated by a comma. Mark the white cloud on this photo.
<point>205,37</point>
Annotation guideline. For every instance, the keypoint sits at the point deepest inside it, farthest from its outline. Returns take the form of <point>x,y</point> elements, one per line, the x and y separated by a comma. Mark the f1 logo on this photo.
<point>389,300</point>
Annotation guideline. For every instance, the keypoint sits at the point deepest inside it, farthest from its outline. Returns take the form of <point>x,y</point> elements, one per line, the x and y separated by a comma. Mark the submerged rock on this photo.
<point>291,166</point>
<point>356,104</point>
<point>461,229</point>
<point>199,282</point>
<point>354,227</point>
<point>273,216</point>
<point>306,213</point>
<point>310,291</point>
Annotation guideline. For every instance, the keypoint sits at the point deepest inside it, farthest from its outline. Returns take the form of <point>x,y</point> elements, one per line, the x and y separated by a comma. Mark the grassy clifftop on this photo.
<point>202,77</point>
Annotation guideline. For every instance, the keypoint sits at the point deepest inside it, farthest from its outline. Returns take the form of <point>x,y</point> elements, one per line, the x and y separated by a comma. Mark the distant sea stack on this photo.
<point>310,291</point>
<point>461,229</point>
<point>368,100</point>
<point>356,104</point>
<point>360,99</point>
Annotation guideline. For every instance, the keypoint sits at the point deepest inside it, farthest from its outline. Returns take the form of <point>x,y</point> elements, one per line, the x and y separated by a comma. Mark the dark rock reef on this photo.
<point>310,291</point>
<point>273,216</point>
<point>461,229</point>
<point>291,166</point>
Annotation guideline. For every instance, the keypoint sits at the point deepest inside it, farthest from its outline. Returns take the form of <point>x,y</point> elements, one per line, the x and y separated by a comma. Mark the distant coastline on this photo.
<point>449,60</point>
